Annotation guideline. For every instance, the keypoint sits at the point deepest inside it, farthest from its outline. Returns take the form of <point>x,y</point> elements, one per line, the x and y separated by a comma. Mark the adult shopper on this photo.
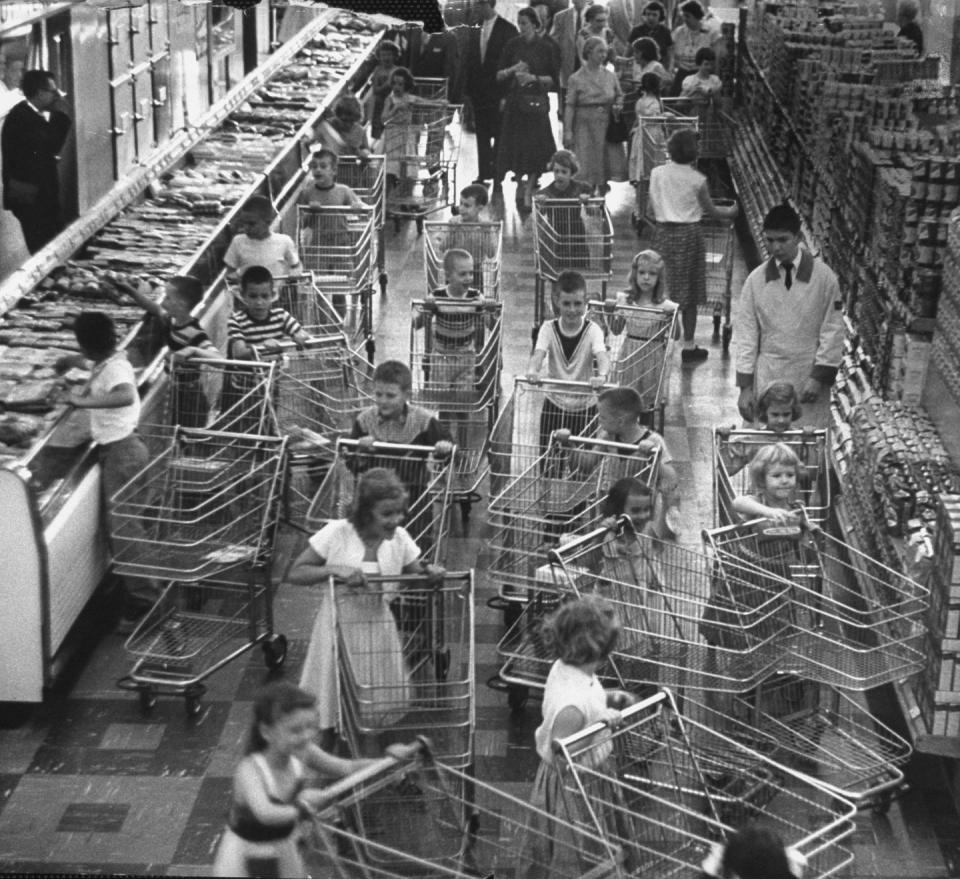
<point>788,323</point>
<point>688,39</point>
<point>34,132</point>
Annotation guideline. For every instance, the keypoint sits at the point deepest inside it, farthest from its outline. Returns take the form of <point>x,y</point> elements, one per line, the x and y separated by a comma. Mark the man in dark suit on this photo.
<point>486,93</point>
<point>34,131</point>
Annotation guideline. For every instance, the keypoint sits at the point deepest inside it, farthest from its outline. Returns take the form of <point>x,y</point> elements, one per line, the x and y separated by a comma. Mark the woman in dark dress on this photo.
<point>530,64</point>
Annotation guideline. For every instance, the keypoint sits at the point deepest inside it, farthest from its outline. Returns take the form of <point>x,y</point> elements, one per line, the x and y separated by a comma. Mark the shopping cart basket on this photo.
<point>570,234</point>
<point>422,155</point>
<point>300,296</point>
<point>337,245</point>
<point>640,342</point>
<point>367,178</point>
<point>431,88</point>
<point>817,730</point>
<point>483,241</point>
<point>733,450</point>
<point>427,819</point>
<point>455,359</point>
<point>857,624</point>
<point>427,476</point>
<point>202,514</point>
<point>716,130</point>
<point>664,787</point>
<point>718,252</point>
<point>405,655</point>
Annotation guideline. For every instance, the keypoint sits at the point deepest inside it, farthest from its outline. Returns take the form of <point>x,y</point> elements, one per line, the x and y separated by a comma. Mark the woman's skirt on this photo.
<point>526,141</point>
<point>600,162</point>
<point>684,255</point>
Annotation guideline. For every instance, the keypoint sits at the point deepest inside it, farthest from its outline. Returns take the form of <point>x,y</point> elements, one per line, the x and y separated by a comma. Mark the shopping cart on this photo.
<point>640,343</point>
<point>483,241</point>
<point>718,272</point>
<point>663,787</point>
<point>733,449</point>
<point>663,594</point>
<point>650,144</point>
<point>427,819</point>
<point>431,88</point>
<point>839,636</point>
<point>367,178</point>
<point>422,155</point>
<point>300,296</point>
<point>405,655</point>
<point>427,476</point>
<point>817,730</point>
<point>459,376</point>
<point>202,515</point>
<point>337,245</point>
<point>570,234</point>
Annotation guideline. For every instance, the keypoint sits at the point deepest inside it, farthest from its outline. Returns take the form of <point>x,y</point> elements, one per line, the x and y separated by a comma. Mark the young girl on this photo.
<point>342,133</point>
<point>269,788</point>
<point>567,221</point>
<point>779,407</point>
<point>370,542</point>
<point>648,140</point>
<point>645,284</point>
<point>774,474</point>
<point>388,57</point>
<point>581,634</point>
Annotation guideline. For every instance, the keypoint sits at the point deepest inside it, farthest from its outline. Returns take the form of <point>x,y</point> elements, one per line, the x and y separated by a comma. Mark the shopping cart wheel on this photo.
<point>716,327</point>
<point>275,651</point>
<point>383,283</point>
<point>465,507</point>
<point>517,697</point>
<point>419,225</point>
<point>191,700</point>
<point>882,805</point>
<point>148,699</point>
<point>727,333</point>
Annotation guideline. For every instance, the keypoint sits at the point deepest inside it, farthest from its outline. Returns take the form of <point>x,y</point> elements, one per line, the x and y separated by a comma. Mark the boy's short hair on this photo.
<point>34,81</point>
<point>325,153</point>
<point>478,192</point>
<point>593,10</point>
<point>782,217</point>
<point>565,159</point>
<point>96,332</point>
<point>255,275</point>
<point>625,400</point>
<point>393,372</point>
<point>261,206</point>
<point>704,54</point>
<point>348,107</point>
<point>646,48</point>
<point>908,9</point>
<point>581,631</point>
<point>569,281</point>
<point>187,288</point>
<point>656,6</point>
<point>451,257</point>
<point>682,146</point>
<point>692,7</point>
<point>782,393</point>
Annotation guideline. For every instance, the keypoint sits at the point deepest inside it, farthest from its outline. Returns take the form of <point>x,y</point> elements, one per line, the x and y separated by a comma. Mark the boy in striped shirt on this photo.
<point>259,324</point>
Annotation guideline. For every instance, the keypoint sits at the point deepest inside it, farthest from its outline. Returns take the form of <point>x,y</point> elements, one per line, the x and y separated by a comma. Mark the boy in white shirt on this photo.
<point>256,245</point>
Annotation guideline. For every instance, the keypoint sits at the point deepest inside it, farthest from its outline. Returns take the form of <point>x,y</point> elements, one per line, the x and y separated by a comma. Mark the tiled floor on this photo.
<point>90,784</point>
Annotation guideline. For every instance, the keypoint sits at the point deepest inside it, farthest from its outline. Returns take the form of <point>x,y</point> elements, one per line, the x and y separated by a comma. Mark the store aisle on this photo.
<point>89,784</point>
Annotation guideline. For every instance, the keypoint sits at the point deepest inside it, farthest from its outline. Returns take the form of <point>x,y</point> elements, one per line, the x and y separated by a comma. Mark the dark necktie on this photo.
<point>576,44</point>
<point>788,274</point>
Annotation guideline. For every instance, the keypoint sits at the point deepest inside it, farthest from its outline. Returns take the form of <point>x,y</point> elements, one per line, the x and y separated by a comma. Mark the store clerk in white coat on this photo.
<point>788,323</point>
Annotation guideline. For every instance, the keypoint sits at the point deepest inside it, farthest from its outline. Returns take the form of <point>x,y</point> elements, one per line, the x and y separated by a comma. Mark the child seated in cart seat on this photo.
<point>111,397</point>
<point>185,338</point>
<point>342,132</point>
<point>256,245</point>
<point>775,473</point>
<point>704,84</point>
<point>573,349</point>
<point>258,323</point>
<point>456,329</point>
<point>276,785</point>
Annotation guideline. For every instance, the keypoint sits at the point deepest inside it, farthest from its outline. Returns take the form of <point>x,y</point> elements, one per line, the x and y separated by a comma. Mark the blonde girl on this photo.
<point>775,473</point>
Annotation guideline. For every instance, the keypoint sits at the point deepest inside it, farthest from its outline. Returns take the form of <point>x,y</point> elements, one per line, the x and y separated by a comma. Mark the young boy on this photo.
<point>473,199</point>
<point>185,338</point>
<point>704,84</point>
<point>574,350</point>
<point>259,323</point>
<point>256,245</point>
<point>110,395</point>
<point>326,193</point>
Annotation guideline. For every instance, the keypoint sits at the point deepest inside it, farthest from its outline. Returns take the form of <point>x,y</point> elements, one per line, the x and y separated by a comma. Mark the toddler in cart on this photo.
<point>775,473</point>
<point>275,785</point>
<point>356,615</point>
<point>582,634</point>
<point>257,245</point>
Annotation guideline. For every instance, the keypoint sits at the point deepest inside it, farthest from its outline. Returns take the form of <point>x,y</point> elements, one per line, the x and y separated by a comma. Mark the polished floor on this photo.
<point>90,784</point>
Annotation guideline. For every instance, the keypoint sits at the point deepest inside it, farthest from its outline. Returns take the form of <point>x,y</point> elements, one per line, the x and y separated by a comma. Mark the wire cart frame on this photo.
<point>424,818</point>
<point>427,476</point>
<point>734,448</point>
<point>432,692</point>
<point>300,296</point>
<point>663,787</point>
<point>367,178</point>
<point>837,637</point>
<point>640,343</point>
<point>456,361</point>
<point>718,236</point>
<point>570,234</point>
<point>483,241</point>
<point>337,245</point>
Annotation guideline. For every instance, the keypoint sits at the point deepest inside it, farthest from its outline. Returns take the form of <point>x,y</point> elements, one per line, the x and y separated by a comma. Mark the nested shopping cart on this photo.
<point>640,343</point>
<point>300,295</point>
<point>817,730</point>
<point>570,234</point>
<point>718,238</point>
<point>367,178</point>
<point>856,624</point>
<point>421,162</point>
<point>405,658</point>
<point>663,787</point>
<point>483,241</point>
<point>686,622</point>
<point>337,245</point>
<point>424,818</point>
<point>202,517</point>
<point>455,359</point>
<point>428,478</point>
<point>733,450</point>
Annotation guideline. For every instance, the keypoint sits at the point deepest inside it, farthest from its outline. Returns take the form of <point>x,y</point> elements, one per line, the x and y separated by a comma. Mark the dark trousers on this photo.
<point>39,220</point>
<point>487,119</point>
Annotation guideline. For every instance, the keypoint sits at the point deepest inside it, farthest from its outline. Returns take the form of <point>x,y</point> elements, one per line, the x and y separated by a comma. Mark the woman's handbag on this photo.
<point>533,102</point>
<point>617,130</point>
